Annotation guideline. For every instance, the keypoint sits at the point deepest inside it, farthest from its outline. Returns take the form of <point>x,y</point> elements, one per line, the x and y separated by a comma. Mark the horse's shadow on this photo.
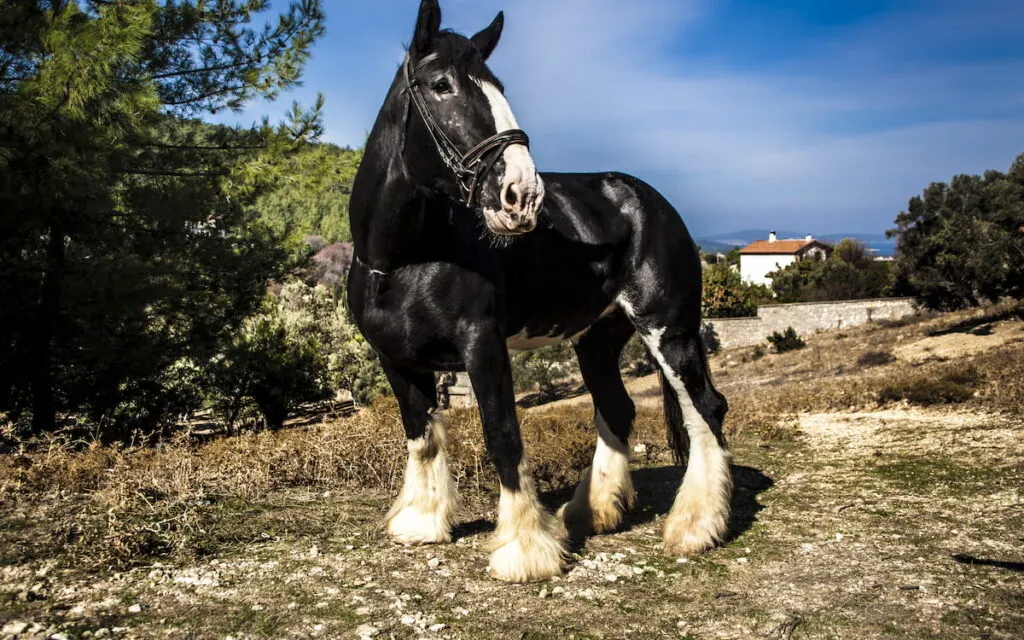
<point>655,490</point>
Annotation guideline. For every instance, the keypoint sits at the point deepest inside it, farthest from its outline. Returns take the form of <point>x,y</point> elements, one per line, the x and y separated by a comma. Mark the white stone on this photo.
<point>135,608</point>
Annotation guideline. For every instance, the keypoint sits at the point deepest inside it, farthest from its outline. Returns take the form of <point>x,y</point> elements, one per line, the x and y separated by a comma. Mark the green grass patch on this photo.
<point>921,473</point>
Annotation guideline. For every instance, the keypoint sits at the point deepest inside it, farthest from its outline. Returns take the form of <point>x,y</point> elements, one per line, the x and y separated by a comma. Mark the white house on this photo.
<point>762,257</point>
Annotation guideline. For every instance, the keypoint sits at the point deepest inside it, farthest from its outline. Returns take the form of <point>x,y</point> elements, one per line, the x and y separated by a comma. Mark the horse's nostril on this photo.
<point>511,195</point>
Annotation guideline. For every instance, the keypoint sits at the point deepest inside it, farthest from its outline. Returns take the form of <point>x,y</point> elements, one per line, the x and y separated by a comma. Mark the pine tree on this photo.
<point>121,252</point>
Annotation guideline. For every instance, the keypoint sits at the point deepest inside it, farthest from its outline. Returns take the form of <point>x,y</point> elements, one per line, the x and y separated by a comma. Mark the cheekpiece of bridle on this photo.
<point>472,167</point>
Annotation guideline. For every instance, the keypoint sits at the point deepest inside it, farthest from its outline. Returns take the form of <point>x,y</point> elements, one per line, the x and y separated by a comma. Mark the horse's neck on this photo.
<point>389,220</point>
<point>393,220</point>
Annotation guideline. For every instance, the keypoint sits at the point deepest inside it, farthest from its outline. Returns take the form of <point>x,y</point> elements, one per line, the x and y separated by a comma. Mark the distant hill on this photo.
<point>724,242</point>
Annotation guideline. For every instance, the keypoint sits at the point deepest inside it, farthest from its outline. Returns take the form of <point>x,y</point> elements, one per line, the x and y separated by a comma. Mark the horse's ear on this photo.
<point>428,23</point>
<point>487,39</point>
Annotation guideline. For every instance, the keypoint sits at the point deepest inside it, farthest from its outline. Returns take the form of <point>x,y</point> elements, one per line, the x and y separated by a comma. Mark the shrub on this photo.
<point>725,295</point>
<point>301,347</point>
<point>786,341</point>
<point>540,368</point>
<point>875,358</point>
<point>950,385</point>
<point>636,358</point>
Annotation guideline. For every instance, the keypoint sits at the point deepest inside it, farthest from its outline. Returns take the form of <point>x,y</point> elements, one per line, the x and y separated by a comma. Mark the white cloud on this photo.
<point>836,138</point>
<point>823,152</point>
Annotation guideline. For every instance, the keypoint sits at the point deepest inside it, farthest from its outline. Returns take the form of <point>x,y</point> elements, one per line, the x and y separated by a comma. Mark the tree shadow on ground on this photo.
<point>655,490</point>
<point>558,392</point>
<point>964,558</point>
<point>981,326</point>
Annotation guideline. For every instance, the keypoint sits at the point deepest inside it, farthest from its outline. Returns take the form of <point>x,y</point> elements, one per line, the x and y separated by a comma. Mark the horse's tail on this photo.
<point>678,439</point>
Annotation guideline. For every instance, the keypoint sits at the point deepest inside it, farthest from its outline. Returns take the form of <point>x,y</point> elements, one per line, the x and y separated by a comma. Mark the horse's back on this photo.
<point>598,234</point>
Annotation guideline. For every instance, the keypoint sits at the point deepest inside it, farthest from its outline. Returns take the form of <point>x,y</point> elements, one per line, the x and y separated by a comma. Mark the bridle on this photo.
<point>472,167</point>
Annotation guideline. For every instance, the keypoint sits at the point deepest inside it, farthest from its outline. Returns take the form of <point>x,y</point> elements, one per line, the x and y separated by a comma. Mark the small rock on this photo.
<point>14,628</point>
<point>135,608</point>
<point>314,551</point>
<point>611,577</point>
<point>408,619</point>
<point>543,592</point>
<point>367,631</point>
<point>640,447</point>
<point>682,560</point>
<point>558,590</point>
<point>839,537</point>
<point>256,607</point>
<point>321,605</point>
<point>102,632</point>
<point>807,547</point>
<point>59,636</point>
<point>362,611</point>
<point>434,562</point>
<point>741,561</point>
<point>438,627</point>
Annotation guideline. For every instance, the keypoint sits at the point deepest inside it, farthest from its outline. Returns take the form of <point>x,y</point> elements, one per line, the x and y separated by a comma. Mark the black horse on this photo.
<point>462,251</point>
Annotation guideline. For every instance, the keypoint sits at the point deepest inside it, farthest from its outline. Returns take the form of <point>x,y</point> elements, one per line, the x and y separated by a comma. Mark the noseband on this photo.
<point>472,167</point>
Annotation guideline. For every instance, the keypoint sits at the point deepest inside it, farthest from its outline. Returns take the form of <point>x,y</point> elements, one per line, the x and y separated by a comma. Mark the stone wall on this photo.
<point>807,318</point>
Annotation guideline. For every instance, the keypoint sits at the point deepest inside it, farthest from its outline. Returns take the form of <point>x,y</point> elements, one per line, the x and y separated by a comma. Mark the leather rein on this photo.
<point>472,167</point>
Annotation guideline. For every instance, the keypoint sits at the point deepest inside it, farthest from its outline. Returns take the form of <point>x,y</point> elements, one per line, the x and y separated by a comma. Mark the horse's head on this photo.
<point>462,136</point>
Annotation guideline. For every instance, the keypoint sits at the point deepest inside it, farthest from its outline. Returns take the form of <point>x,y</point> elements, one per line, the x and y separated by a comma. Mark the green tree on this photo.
<point>725,295</point>
<point>119,246</point>
<point>961,244</point>
<point>311,193</point>
<point>849,273</point>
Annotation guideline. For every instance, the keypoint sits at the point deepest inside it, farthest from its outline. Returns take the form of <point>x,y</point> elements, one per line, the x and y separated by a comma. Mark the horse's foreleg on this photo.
<point>425,508</point>
<point>528,542</point>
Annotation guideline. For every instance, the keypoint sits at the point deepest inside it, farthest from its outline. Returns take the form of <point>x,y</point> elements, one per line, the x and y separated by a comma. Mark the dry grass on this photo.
<point>115,505</point>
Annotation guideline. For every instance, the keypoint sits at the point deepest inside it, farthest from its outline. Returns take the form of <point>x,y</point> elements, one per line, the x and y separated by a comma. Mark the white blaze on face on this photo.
<point>520,172</point>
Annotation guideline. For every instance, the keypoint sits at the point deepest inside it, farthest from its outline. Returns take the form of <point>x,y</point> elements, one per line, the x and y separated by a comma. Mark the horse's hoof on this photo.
<point>688,534</point>
<point>411,526</point>
<point>527,559</point>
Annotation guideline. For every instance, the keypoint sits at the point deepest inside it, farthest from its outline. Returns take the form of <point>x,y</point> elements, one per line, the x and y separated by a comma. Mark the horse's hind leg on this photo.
<point>527,543</point>
<point>425,508</point>
<point>700,514</point>
<point>605,492</point>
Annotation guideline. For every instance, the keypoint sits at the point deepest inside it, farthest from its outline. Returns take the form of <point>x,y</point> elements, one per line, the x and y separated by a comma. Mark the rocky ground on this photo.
<point>895,522</point>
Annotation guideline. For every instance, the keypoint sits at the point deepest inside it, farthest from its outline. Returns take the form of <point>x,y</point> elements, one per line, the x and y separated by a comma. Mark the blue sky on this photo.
<point>820,116</point>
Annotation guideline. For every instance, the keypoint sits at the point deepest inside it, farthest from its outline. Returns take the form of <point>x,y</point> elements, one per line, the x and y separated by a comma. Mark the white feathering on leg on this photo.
<point>605,492</point>
<point>528,542</point>
<point>425,509</point>
<point>699,517</point>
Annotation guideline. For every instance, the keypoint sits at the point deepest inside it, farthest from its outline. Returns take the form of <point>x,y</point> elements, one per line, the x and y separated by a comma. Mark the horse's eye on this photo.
<point>442,86</point>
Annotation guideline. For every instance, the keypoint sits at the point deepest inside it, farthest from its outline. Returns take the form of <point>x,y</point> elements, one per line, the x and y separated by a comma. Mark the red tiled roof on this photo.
<point>779,246</point>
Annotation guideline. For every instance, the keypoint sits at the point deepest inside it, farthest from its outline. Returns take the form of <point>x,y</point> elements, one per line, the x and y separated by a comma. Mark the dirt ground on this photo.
<point>894,522</point>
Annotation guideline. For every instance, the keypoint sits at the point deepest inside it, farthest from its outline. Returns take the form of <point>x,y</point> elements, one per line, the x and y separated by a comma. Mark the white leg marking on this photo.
<point>528,542</point>
<point>700,514</point>
<point>605,492</point>
<point>425,509</point>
